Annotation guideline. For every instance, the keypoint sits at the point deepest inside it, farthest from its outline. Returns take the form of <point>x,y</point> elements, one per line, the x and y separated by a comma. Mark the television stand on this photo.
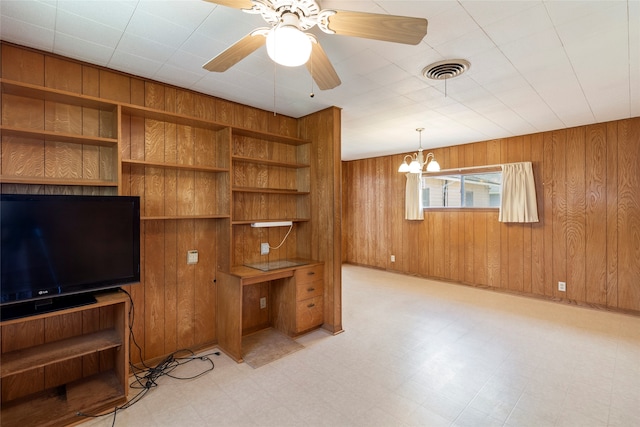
<point>52,369</point>
<point>46,305</point>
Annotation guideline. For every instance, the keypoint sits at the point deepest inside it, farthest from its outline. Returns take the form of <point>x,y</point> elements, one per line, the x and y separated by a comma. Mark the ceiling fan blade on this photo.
<point>320,68</point>
<point>236,4</point>
<point>236,52</point>
<point>392,28</point>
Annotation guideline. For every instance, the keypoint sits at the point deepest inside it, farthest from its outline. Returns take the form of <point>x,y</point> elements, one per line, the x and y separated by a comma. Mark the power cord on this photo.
<point>283,239</point>
<point>146,378</point>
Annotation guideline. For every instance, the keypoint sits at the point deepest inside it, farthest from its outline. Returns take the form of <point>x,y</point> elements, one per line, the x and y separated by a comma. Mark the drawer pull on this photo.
<point>311,289</point>
<point>311,305</point>
<point>311,273</point>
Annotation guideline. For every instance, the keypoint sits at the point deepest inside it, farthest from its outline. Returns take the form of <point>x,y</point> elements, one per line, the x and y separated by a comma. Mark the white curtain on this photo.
<point>413,197</point>
<point>518,199</point>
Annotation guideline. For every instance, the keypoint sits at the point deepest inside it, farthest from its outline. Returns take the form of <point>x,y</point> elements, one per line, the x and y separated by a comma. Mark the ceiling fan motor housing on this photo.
<point>274,11</point>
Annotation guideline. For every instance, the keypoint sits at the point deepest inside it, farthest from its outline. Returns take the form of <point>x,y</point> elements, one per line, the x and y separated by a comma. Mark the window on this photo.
<point>470,189</point>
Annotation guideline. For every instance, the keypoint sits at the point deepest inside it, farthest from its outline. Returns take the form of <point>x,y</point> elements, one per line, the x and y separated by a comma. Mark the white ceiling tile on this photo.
<point>142,47</point>
<point>186,14</point>
<point>531,21</point>
<point>79,48</point>
<point>471,43</point>
<point>564,11</point>
<point>160,30</point>
<point>19,32</point>
<point>486,13</point>
<point>170,73</point>
<point>114,14</point>
<point>86,29</point>
<point>137,65</point>
<point>387,74</point>
<point>229,25</point>
<point>39,14</point>
<point>449,25</point>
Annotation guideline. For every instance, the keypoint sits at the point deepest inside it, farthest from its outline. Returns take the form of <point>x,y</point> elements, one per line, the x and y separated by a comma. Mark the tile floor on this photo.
<point>418,352</point>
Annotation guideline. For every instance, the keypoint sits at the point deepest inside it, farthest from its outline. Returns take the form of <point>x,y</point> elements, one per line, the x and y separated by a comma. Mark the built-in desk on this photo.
<point>296,301</point>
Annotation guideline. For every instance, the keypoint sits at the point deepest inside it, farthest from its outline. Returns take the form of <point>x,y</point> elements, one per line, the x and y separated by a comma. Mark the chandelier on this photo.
<point>418,160</point>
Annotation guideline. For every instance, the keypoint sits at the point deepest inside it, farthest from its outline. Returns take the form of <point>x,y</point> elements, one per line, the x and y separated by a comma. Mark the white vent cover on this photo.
<point>446,69</point>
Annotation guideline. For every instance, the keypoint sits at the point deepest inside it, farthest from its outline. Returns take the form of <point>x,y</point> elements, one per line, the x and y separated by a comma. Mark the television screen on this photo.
<point>57,245</point>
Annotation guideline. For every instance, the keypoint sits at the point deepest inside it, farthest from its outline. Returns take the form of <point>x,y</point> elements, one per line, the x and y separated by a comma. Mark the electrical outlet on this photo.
<point>192,257</point>
<point>263,302</point>
<point>264,249</point>
<point>562,286</point>
<point>393,258</point>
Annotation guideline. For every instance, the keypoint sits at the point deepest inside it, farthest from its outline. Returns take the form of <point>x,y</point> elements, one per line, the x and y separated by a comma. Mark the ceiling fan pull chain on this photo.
<point>311,95</point>
<point>274,88</point>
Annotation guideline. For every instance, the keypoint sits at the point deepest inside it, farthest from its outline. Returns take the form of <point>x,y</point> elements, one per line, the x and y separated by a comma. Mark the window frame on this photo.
<point>473,170</point>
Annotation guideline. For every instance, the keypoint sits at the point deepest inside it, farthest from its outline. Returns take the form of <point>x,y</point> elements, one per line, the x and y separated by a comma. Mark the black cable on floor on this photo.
<point>146,379</point>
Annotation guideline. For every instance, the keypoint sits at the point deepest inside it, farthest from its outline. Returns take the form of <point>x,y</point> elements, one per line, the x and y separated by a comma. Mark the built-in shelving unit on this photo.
<point>270,181</point>
<point>204,168</point>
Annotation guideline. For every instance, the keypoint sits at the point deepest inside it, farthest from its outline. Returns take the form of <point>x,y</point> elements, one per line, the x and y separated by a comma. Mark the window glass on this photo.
<point>468,190</point>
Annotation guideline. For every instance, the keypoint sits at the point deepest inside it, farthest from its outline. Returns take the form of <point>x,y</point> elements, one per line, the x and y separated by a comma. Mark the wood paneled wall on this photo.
<point>588,191</point>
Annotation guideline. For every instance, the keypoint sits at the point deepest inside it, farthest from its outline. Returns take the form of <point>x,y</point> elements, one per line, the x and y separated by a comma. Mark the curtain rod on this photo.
<point>489,168</point>
<point>476,168</point>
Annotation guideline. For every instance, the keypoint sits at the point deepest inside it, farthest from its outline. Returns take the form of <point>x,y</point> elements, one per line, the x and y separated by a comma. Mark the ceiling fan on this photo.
<point>288,44</point>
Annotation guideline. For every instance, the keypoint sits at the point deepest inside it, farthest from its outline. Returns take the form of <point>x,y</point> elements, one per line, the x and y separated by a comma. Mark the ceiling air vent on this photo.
<point>446,69</point>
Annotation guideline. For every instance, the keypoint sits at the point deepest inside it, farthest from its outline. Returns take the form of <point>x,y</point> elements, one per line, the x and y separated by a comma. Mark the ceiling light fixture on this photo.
<point>417,160</point>
<point>286,44</point>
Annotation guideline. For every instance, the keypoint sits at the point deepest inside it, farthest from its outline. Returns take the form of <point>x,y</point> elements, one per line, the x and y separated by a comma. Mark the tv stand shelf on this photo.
<point>39,352</point>
<point>19,361</point>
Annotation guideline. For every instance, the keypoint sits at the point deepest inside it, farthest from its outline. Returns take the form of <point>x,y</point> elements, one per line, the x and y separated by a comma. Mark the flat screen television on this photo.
<point>58,250</point>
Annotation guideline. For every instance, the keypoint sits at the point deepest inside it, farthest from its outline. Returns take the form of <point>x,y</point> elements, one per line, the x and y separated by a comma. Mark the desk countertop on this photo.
<point>250,275</point>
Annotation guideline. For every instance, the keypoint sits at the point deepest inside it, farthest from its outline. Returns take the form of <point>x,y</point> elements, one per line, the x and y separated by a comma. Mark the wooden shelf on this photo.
<point>175,166</point>
<point>269,162</point>
<point>59,406</point>
<point>269,191</point>
<point>54,95</point>
<point>59,136</point>
<point>35,357</point>
<point>168,217</point>
<point>165,116</point>
<point>37,180</point>
<point>269,136</point>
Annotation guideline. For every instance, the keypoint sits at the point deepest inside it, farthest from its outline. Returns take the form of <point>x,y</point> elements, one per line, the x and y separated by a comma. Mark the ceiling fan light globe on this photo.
<point>288,46</point>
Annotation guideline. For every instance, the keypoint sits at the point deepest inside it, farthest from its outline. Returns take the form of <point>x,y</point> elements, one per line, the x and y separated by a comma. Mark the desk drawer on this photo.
<point>308,290</point>
<point>309,313</point>
<point>309,274</point>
